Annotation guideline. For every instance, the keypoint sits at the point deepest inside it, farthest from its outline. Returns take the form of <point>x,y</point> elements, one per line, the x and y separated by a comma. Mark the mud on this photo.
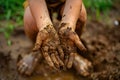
<point>102,41</point>
<point>101,38</point>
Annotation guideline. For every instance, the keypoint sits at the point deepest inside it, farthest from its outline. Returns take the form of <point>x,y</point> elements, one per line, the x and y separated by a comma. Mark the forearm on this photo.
<point>40,13</point>
<point>71,12</point>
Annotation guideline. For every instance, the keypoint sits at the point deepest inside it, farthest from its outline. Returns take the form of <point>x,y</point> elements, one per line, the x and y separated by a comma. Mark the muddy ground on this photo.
<point>101,38</point>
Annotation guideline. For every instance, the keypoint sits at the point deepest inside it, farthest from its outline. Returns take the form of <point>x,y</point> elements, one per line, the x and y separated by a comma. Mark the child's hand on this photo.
<point>69,40</point>
<point>48,42</point>
<point>28,63</point>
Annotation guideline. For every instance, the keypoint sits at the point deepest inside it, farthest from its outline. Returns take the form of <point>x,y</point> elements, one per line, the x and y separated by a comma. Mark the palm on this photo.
<point>69,42</point>
<point>48,43</point>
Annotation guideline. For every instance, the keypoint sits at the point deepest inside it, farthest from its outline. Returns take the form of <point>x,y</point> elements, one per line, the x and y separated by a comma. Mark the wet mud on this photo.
<point>101,38</point>
<point>102,42</point>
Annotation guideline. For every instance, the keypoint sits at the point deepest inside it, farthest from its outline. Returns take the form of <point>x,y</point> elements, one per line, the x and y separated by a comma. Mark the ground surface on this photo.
<point>103,43</point>
<point>101,39</point>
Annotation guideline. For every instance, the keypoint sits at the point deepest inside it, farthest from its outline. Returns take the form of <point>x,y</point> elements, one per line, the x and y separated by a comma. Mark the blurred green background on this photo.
<point>12,12</point>
<point>12,9</point>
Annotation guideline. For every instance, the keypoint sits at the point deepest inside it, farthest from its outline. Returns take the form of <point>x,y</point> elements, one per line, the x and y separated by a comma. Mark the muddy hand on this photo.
<point>27,65</point>
<point>69,40</point>
<point>48,42</point>
<point>82,65</point>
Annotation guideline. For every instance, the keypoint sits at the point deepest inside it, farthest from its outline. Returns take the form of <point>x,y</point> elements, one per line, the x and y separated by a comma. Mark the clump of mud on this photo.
<point>103,45</point>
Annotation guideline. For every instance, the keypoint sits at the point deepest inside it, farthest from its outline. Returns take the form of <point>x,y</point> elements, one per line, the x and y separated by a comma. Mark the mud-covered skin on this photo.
<point>82,65</point>
<point>69,42</point>
<point>29,62</point>
<point>68,49</point>
<point>47,42</point>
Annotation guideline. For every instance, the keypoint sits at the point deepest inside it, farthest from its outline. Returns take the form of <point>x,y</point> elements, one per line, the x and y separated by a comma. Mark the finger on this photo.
<point>80,45</point>
<point>70,61</point>
<point>19,63</point>
<point>75,38</point>
<point>19,68</point>
<point>23,69</point>
<point>47,57</point>
<point>66,60</point>
<point>61,52</point>
<point>22,66</point>
<point>38,42</point>
<point>31,68</point>
<point>28,72</point>
<point>49,61</point>
<point>41,36</point>
<point>59,60</point>
<point>55,61</point>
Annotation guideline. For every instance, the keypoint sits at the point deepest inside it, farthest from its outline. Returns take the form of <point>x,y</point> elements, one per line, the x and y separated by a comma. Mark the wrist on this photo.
<point>41,24</point>
<point>64,26</point>
<point>65,30</point>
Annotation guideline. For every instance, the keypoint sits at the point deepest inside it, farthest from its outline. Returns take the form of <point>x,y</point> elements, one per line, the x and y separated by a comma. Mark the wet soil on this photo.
<point>102,40</point>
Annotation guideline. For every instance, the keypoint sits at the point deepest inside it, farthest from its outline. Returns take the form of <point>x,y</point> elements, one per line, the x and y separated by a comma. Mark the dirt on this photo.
<point>103,43</point>
<point>101,39</point>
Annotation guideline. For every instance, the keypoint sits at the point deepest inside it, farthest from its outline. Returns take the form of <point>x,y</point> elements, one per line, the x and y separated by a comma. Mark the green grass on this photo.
<point>7,31</point>
<point>10,10</point>
<point>13,10</point>
<point>98,6</point>
<point>101,5</point>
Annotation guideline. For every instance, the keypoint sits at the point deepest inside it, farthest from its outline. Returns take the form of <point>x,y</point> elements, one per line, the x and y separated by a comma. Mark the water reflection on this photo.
<point>57,76</point>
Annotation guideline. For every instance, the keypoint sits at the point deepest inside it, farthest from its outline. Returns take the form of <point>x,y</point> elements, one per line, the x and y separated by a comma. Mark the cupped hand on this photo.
<point>48,42</point>
<point>28,63</point>
<point>69,43</point>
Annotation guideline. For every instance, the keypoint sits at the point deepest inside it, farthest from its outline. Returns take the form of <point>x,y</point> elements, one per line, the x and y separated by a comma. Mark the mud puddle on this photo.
<point>103,43</point>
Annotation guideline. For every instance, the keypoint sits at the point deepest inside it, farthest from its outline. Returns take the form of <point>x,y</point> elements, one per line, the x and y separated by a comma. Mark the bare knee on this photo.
<point>30,27</point>
<point>83,14</point>
<point>81,20</point>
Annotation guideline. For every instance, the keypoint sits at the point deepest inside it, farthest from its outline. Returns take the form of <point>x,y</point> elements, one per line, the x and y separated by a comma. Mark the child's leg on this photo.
<point>29,62</point>
<point>30,26</point>
<point>81,64</point>
<point>81,21</point>
<point>37,20</point>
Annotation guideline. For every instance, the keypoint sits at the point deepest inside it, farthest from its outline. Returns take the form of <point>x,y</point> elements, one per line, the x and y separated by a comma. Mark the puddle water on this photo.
<point>57,76</point>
